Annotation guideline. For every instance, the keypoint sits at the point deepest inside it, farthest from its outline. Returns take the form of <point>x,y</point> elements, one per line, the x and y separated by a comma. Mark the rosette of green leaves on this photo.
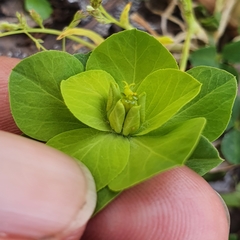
<point>126,111</point>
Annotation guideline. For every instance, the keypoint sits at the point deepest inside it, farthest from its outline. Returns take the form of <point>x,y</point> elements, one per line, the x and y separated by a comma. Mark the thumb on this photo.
<point>44,193</point>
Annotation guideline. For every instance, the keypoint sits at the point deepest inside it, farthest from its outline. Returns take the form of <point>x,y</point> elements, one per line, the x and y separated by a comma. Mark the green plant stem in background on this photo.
<point>69,31</point>
<point>36,41</point>
<point>189,18</point>
<point>49,31</point>
<point>64,44</point>
<point>218,6</point>
<point>113,20</point>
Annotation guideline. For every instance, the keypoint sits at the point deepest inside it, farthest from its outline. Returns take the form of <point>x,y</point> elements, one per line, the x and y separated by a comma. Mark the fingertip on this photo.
<point>44,193</point>
<point>7,64</point>
<point>177,204</point>
<point>77,227</point>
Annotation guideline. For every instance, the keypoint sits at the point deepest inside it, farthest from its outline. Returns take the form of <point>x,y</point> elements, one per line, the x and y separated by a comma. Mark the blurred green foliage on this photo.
<point>42,7</point>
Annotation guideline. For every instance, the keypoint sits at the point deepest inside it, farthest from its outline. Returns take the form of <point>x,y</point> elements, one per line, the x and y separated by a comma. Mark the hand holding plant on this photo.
<point>155,208</point>
<point>125,111</point>
<point>122,110</point>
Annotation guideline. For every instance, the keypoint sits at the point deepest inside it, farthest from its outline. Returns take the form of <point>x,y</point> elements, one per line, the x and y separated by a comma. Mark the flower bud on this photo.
<point>126,111</point>
<point>78,16</point>
<point>97,14</point>
<point>22,20</point>
<point>36,17</point>
<point>129,103</point>
<point>117,116</point>
<point>132,121</point>
<point>142,103</point>
<point>113,97</point>
<point>96,3</point>
<point>130,98</point>
<point>5,26</point>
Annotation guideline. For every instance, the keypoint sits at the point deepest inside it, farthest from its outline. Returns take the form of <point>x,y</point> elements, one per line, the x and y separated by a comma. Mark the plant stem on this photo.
<point>37,43</point>
<point>225,11</point>
<point>49,31</point>
<point>64,44</point>
<point>189,18</point>
<point>112,19</point>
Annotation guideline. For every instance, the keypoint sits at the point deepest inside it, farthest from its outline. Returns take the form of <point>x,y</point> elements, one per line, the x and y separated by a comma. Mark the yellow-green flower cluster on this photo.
<point>126,111</point>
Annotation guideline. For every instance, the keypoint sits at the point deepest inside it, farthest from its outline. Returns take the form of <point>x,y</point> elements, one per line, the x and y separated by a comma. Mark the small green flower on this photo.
<point>124,115</point>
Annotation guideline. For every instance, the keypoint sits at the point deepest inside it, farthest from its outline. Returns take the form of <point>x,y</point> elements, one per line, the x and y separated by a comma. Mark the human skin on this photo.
<point>46,194</point>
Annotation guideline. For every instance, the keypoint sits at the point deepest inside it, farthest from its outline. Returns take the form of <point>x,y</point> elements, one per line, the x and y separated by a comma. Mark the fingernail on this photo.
<point>77,225</point>
<point>44,193</point>
<point>225,208</point>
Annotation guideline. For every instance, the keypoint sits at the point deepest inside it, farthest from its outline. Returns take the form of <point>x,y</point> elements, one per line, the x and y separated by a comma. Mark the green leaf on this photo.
<point>232,199</point>
<point>229,68</point>
<point>43,7</point>
<point>167,91</point>
<point>214,102</point>
<point>209,22</point>
<point>230,52</point>
<point>130,56</point>
<point>35,98</point>
<point>93,36</point>
<point>233,236</point>
<point>104,154</point>
<point>152,154</point>
<point>86,96</point>
<point>204,158</point>
<point>82,58</point>
<point>104,197</point>
<point>235,116</point>
<point>205,56</point>
<point>230,146</point>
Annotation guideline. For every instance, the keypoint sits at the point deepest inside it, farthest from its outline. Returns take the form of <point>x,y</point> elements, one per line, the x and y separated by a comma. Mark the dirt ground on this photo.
<point>20,46</point>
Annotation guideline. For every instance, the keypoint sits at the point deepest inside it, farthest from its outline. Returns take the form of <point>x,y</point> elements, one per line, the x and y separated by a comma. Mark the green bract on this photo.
<point>126,111</point>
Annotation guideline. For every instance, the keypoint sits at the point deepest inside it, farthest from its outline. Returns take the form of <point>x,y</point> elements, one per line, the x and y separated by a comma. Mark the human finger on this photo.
<point>44,193</point>
<point>6,120</point>
<point>177,204</point>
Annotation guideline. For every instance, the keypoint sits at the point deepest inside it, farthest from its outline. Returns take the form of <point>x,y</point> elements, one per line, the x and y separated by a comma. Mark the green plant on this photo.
<point>233,237</point>
<point>125,110</point>
<point>43,7</point>
<point>224,60</point>
<point>231,139</point>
